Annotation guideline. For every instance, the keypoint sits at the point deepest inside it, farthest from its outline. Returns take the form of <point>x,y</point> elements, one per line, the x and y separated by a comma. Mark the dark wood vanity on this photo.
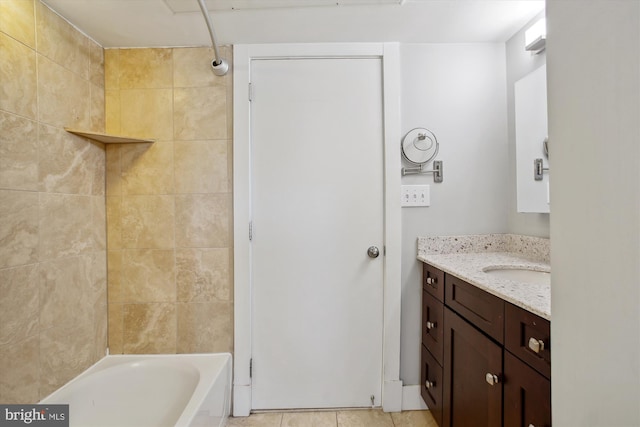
<point>485,361</point>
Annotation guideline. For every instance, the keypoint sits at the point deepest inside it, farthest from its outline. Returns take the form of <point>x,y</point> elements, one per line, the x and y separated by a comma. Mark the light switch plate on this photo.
<point>415,195</point>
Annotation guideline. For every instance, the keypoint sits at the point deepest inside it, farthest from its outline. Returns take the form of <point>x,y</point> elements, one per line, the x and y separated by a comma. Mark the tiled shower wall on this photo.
<point>53,312</point>
<point>169,218</point>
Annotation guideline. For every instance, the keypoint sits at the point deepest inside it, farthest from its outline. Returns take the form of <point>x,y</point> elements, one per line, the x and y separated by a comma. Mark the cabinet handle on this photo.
<point>536,345</point>
<point>431,325</point>
<point>492,379</point>
<point>531,425</point>
<point>431,281</point>
<point>429,384</point>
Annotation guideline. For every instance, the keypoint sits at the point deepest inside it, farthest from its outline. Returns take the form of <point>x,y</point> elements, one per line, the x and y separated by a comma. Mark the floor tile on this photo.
<point>257,420</point>
<point>364,418</point>
<point>309,419</point>
<point>413,419</point>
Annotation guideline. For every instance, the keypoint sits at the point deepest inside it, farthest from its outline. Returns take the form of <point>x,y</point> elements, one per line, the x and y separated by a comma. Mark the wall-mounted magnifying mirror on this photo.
<point>420,146</point>
<point>532,142</point>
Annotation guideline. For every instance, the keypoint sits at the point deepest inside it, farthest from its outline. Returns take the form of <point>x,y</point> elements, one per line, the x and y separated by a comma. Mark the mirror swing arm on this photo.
<point>419,146</point>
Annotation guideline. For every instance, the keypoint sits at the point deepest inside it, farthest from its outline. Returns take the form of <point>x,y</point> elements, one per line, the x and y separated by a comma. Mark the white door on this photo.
<point>317,206</point>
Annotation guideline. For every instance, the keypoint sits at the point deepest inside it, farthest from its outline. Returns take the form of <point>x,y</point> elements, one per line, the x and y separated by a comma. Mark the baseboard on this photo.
<point>411,399</point>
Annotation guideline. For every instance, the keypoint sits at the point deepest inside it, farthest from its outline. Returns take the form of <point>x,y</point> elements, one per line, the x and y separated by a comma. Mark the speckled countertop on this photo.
<point>466,256</point>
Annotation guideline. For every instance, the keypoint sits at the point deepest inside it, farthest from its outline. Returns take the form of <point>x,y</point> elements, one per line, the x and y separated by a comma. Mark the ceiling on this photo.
<point>170,23</point>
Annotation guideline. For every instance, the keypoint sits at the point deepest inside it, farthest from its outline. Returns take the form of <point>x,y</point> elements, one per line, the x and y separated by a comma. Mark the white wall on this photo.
<point>519,64</point>
<point>593,64</point>
<point>458,91</point>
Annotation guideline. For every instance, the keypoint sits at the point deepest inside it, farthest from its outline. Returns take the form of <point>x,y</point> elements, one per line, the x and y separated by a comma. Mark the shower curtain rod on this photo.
<point>220,66</point>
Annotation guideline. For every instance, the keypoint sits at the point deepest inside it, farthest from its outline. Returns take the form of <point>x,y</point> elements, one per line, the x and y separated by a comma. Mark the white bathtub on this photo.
<point>150,391</point>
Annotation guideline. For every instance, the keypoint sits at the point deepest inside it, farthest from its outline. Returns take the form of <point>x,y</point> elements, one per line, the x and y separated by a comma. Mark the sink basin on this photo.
<point>520,275</point>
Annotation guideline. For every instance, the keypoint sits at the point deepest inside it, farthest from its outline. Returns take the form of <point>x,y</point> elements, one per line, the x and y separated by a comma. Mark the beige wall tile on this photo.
<point>18,91</point>
<point>147,113</point>
<point>99,226</point>
<point>205,327</point>
<point>112,112</point>
<point>96,64</point>
<point>309,419</point>
<point>203,275</point>
<point>114,277</point>
<point>200,113</point>
<point>19,304</point>
<point>114,222</point>
<point>17,19</point>
<point>66,226</point>
<point>19,372</point>
<point>365,418</point>
<point>69,164</point>
<point>18,153</point>
<point>100,329</point>
<point>112,69</point>
<point>150,328</point>
<point>147,168</point>
<point>201,166</point>
<point>113,170</point>
<point>203,220</point>
<point>146,68</point>
<point>192,68</point>
<point>64,355</point>
<point>66,295</point>
<point>116,328</point>
<point>97,115</point>
<point>60,42</point>
<point>63,96</point>
<point>18,228</point>
<point>148,276</point>
<point>148,222</point>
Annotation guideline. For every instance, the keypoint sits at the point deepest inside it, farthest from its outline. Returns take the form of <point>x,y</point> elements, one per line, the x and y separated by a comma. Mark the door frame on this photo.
<point>242,57</point>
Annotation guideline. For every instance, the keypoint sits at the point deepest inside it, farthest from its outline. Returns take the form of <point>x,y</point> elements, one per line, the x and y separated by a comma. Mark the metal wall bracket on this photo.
<point>436,171</point>
<point>538,169</point>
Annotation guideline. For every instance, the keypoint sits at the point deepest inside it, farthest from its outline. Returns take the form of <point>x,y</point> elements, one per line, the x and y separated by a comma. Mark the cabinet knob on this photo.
<point>429,281</point>
<point>431,325</point>
<point>429,384</point>
<point>536,345</point>
<point>492,379</point>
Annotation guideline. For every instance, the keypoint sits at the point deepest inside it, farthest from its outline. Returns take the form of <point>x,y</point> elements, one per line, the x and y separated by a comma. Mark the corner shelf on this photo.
<point>106,138</point>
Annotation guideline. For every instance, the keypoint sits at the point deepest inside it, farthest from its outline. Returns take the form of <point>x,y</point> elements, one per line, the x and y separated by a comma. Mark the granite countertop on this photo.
<point>464,258</point>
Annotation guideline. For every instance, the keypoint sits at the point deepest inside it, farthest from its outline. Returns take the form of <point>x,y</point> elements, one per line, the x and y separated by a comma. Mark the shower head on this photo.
<point>220,67</point>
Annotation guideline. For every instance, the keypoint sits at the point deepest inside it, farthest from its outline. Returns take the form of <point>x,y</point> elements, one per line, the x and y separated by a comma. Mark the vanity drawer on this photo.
<point>432,325</point>
<point>433,281</point>
<point>431,385</point>
<point>528,336</point>
<point>482,309</point>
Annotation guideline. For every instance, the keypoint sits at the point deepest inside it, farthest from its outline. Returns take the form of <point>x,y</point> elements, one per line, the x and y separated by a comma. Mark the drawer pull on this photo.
<point>429,384</point>
<point>492,379</point>
<point>536,345</point>
<point>431,325</point>
<point>431,281</point>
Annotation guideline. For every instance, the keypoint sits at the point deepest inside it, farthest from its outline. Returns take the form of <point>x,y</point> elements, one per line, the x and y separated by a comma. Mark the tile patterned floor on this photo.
<point>354,418</point>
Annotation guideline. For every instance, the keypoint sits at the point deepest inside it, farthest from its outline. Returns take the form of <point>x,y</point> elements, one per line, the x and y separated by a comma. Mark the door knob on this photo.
<point>373,252</point>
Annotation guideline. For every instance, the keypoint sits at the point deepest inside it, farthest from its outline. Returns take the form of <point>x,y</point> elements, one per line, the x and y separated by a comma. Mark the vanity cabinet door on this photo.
<point>472,376</point>
<point>433,281</point>
<point>527,395</point>
<point>528,336</point>
<point>432,325</point>
<point>431,384</point>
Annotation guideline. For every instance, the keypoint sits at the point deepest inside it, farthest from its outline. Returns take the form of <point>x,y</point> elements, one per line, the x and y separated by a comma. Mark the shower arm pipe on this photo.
<point>220,67</point>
